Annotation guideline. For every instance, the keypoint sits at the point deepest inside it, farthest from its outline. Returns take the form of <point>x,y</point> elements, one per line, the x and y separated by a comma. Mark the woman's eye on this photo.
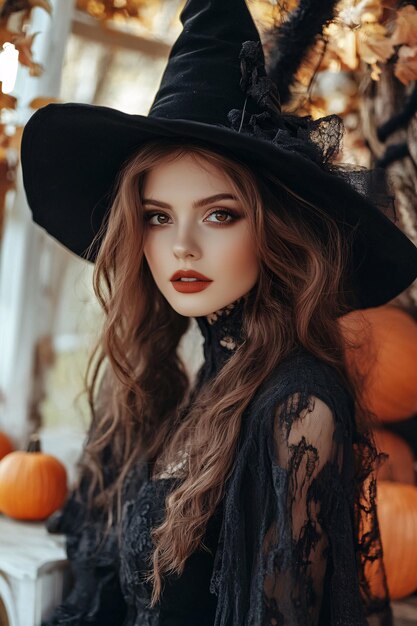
<point>154,219</point>
<point>221,216</point>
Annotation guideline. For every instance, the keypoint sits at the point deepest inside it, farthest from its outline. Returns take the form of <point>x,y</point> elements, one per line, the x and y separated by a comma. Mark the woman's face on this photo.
<point>195,223</point>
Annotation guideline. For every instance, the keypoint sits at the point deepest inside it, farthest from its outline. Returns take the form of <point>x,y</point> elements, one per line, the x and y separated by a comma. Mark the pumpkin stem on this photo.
<point>34,443</point>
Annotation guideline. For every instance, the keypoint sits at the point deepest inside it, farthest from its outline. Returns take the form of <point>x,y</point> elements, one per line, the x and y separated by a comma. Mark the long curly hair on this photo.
<point>137,384</point>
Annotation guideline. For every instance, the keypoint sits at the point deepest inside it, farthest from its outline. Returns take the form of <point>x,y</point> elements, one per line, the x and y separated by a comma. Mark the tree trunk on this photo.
<point>380,101</point>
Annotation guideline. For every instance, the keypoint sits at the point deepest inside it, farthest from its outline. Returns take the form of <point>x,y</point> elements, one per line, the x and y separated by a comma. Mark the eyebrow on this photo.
<point>197,204</point>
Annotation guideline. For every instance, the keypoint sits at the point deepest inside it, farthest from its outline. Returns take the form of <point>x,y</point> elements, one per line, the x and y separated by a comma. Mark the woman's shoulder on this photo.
<point>301,384</point>
<point>304,374</point>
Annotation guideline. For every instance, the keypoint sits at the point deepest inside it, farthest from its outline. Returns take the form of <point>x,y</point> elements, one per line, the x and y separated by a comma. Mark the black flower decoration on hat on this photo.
<point>317,140</point>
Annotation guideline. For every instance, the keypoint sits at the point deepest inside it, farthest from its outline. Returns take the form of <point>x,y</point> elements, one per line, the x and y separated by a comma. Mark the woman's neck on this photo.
<point>222,332</point>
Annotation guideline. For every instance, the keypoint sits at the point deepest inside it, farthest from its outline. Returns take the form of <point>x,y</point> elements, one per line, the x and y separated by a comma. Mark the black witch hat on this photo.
<point>214,91</point>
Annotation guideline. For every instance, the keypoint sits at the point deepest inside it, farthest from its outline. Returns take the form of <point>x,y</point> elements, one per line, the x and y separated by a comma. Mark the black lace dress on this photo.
<point>284,546</point>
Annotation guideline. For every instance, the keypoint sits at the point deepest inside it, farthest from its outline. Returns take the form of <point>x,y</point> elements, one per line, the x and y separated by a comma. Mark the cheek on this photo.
<point>155,255</point>
<point>237,254</point>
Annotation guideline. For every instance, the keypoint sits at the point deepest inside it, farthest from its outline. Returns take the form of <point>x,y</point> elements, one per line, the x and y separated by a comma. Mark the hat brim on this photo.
<point>71,154</point>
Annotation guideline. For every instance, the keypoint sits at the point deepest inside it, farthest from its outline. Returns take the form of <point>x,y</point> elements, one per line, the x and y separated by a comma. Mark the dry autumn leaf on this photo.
<point>95,8</point>
<point>23,43</point>
<point>405,27</point>
<point>357,35</point>
<point>35,69</point>
<point>41,101</point>
<point>15,140</point>
<point>365,11</point>
<point>374,45</point>
<point>264,13</point>
<point>343,45</point>
<point>112,9</point>
<point>7,182</point>
<point>406,66</point>
<point>7,101</point>
<point>6,35</point>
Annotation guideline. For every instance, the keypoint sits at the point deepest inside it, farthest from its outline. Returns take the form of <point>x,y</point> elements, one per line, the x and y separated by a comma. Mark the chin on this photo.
<point>190,305</point>
<point>192,310</point>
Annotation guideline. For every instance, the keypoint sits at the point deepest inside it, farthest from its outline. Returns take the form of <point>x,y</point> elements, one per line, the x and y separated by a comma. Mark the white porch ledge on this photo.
<point>34,572</point>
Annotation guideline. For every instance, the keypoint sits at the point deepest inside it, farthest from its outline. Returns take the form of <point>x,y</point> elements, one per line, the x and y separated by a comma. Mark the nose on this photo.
<point>185,246</point>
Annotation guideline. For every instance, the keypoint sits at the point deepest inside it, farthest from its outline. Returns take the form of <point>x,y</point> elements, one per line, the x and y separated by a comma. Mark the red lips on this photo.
<point>189,274</point>
<point>191,286</point>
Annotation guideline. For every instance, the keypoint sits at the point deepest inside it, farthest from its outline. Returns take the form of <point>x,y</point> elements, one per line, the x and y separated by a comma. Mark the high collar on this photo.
<point>223,333</point>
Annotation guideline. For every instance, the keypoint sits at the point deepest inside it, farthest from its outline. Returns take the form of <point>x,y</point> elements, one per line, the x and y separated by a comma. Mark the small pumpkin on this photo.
<point>397,516</point>
<point>381,343</point>
<point>6,445</point>
<point>32,484</point>
<point>400,465</point>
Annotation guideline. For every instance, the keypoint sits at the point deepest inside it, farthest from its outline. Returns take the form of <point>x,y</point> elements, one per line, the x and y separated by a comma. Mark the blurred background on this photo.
<point>361,66</point>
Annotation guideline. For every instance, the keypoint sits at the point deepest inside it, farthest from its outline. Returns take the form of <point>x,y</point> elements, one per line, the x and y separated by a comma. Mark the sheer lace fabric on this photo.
<point>289,550</point>
<point>302,454</point>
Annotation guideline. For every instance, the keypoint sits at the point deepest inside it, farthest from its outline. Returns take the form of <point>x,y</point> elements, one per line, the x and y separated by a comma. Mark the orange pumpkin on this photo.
<point>32,484</point>
<point>397,516</point>
<point>6,445</point>
<point>385,349</point>
<point>399,467</point>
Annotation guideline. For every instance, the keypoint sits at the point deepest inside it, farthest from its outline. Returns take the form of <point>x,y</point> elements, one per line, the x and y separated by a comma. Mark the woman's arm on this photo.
<point>307,458</point>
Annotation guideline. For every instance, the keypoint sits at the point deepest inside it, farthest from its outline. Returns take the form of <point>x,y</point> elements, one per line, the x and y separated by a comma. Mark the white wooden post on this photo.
<point>31,264</point>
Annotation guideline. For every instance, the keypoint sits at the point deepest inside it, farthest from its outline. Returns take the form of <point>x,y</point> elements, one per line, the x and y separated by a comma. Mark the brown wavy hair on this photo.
<point>137,383</point>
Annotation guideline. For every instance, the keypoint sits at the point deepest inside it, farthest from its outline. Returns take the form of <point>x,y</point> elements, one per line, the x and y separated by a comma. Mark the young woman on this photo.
<point>245,496</point>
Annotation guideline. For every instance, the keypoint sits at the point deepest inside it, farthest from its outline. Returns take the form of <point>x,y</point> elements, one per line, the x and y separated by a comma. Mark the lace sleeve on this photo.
<point>307,458</point>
